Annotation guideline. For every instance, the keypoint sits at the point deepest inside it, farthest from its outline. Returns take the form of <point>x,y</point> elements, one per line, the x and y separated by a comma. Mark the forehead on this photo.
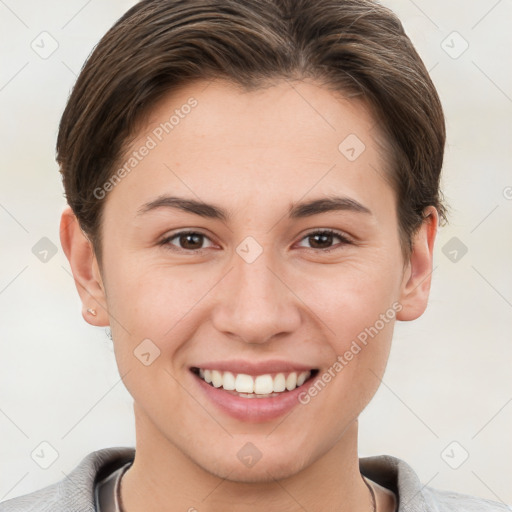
<point>290,138</point>
<point>293,111</point>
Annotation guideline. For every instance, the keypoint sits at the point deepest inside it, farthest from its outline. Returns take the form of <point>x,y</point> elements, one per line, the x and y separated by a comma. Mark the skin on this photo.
<point>252,153</point>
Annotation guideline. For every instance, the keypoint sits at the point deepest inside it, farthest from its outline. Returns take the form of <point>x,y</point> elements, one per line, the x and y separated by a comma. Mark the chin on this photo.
<point>264,470</point>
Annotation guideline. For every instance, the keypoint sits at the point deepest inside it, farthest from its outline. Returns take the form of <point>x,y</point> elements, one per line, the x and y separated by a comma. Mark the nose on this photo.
<point>254,302</point>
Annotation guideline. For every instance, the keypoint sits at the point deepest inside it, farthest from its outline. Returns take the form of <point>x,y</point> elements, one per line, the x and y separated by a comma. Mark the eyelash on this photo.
<point>344,240</point>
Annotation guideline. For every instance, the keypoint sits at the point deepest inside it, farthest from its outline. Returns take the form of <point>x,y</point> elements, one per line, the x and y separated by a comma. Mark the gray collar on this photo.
<point>106,491</point>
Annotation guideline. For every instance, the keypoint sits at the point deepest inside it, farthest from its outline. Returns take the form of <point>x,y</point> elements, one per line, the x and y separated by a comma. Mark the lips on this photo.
<point>252,392</point>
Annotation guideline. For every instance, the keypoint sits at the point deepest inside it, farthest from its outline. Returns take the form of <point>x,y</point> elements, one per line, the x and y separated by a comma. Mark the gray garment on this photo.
<point>106,491</point>
<point>76,492</point>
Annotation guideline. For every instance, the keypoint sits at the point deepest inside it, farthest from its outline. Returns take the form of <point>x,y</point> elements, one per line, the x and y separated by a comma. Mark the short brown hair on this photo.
<point>352,46</point>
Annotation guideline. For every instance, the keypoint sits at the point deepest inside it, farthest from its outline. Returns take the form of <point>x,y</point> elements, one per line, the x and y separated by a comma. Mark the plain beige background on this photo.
<point>445,405</point>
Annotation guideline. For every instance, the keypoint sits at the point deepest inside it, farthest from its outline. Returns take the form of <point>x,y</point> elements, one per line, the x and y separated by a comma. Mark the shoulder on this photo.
<point>397,476</point>
<point>76,490</point>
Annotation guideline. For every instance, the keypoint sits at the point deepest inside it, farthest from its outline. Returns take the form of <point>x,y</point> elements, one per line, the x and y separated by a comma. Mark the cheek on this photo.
<point>346,386</point>
<point>155,298</point>
<point>150,318</point>
<point>353,298</point>
<point>358,307</point>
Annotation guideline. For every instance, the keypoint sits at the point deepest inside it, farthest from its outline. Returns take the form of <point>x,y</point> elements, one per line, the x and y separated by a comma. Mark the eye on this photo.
<point>323,239</point>
<point>188,241</point>
<point>192,241</point>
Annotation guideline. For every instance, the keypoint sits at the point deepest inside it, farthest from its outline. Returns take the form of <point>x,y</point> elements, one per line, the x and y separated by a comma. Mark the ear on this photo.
<point>85,269</point>
<point>416,281</point>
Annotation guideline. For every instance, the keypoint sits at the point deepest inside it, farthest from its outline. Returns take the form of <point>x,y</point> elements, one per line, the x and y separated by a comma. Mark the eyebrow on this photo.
<point>296,210</point>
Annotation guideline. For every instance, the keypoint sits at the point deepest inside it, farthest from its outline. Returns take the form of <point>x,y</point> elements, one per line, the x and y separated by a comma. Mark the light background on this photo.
<point>449,376</point>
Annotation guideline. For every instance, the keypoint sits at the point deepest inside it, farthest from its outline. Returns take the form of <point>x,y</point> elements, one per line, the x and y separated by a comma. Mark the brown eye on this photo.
<point>185,241</point>
<point>190,241</point>
<point>323,240</point>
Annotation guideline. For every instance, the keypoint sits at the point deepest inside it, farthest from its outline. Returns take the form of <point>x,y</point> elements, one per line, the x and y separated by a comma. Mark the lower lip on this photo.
<point>253,410</point>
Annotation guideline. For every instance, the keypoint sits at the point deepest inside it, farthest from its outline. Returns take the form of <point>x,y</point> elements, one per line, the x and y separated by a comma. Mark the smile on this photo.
<point>257,386</point>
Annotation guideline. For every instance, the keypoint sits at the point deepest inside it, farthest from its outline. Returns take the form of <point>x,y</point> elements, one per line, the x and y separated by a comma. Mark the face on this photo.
<point>255,244</point>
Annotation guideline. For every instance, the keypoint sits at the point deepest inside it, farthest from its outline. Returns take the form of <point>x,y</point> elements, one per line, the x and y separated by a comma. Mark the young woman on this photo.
<point>253,192</point>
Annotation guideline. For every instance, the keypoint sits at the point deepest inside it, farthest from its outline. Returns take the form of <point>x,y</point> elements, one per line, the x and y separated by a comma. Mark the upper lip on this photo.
<point>253,367</point>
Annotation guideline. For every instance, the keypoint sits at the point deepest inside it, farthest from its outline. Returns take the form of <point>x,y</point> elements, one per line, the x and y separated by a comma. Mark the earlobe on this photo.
<point>80,254</point>
<point>418,274</point>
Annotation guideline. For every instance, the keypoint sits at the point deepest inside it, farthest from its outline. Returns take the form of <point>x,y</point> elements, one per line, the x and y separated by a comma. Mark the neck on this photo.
<point>163,478</point>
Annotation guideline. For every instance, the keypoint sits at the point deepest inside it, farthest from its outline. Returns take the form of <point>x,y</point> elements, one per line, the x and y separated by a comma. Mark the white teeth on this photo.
<point>216,378</point>
<point>248,386</point>
<point>302,378</point>
<point>279,383</point>
<point>229,381</point>
<point>291,381</point>
<point>263,385</point>
<point>244,383</point>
